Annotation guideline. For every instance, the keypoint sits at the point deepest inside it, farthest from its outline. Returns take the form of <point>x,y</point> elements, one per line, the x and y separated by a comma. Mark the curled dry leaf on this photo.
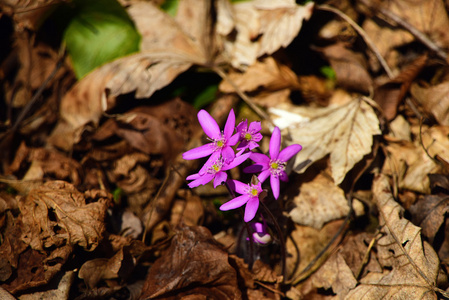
<point>343,131</point>
<point>261,27</point>
<point>195,266</point>
<point>56,214</point>
<point>410,265</point>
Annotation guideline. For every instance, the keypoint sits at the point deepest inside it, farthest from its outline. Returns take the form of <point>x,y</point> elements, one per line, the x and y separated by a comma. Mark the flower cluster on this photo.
<point>222,158</point>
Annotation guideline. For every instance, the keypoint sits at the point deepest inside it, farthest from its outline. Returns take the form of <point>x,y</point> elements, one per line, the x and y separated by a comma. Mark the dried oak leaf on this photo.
<point>410,265</point>
<point>194,266</point>
<point>343,131</point>
<point>259,27</point>
<point>56,214</point>
<point>21,267</point>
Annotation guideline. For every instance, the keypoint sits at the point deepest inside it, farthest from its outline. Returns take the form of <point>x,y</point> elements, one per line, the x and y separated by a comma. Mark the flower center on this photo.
<point>248,136</point>
<point>216,167</point>
<point>277,167</point>
<point>254,192</point>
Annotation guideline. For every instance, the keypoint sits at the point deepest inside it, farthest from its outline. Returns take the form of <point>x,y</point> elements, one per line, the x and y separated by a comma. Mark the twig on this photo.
<point>363,34</point>
<point>410,28</point>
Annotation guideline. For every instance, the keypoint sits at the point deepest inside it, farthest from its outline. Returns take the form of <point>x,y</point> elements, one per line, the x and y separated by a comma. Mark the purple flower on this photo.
<point>249,196</point>
<point>221,141</point>
<point>215,170</point>
<point>273,167</point>
<point>249,136</point>
<point>261,235</point>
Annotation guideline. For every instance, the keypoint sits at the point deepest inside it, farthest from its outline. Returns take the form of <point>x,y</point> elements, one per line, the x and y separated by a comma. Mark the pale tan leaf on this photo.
<point>434,99</point>
<point>409,164</point>
<point>436,142</point>
<point>266,73</point>
<point>56,214</point>
<point>343,131</point>
<point>262,27</point>
<point>335,274</point>
<point>319,201</point>
<point>413,263</point>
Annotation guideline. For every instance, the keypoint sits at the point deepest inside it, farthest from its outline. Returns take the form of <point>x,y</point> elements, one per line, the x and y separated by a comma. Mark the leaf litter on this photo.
<point>93,197</point>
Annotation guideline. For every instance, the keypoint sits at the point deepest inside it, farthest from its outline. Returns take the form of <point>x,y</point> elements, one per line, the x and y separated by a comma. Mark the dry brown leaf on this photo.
<point>56,214</point>
<point>305,243</point>
<point>428,16</point>
<point>267,73</point>
<point>390,94</point>
<point>343,131</point>
<point>429,212</point>
<point>413,263</point>
<point>319,201</point>
<point>164,55</point>
<point>434,100</point>
<point>335,274</point>
<point>194,265</point>
<point>435,141</point>
<point>409,164</point>
<point>350,68</point>
<point>262,27</point>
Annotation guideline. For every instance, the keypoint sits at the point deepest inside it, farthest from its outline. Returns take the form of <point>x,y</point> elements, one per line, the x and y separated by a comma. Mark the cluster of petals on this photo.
<point>223,158</point>
<point>249,196</point>
<point>273,166</point>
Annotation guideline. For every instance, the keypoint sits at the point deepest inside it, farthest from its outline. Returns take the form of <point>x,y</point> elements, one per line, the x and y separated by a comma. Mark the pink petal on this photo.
<point>251,209</point>
<point>193,177</point>
<point>230,125</point>
<point>242,126</point>
<point>233,140</point>
<point>206,178</point>
<point>209,125</point>
<point>283,176</point>
<point>256,168</point>
<point>237,161</point>
<point>210,161</point>
<point>275,143</point>
<point>239,187</point>
<point>228,154</point>
<point>201,151</point>
<point>235,203</point>
<point>289,152</point>
<point>264,175</point>
<point>260,158</point>
<point>274,182</point>
<point>220,177</point>
<point>255,126</point>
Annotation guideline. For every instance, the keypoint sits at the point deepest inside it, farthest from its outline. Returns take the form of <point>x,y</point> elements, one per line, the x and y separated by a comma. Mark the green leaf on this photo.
<point>328,72</point>
<point>99,31</point>
<point>170,7</point>
<point>206,96</point>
